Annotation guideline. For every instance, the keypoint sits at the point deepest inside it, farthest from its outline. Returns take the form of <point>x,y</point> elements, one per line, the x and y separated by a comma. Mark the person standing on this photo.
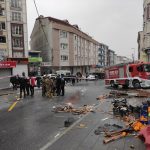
<point>32,84</point>
<point>58,85</point>
<point>38,79</point>
<point>28,86</point>
<point>62,86</point>
<point>22,83</point>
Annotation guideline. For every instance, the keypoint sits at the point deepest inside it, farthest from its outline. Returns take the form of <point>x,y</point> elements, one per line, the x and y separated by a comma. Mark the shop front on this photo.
<point>6,68</point>
<point>34,66</point>
<point>21,65</point>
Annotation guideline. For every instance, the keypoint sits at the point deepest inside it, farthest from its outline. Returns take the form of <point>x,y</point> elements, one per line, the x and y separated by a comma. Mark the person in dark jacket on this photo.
<point>58,85</point>
<point>38,79</point>
<point>23,83</point>
<point>62,86</point>
<point>28,86</point>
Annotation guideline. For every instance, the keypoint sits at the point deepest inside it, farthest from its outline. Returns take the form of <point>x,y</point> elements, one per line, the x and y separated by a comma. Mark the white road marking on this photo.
<point>105,119</point>
<point>63,133</point>
<point>57,135</point>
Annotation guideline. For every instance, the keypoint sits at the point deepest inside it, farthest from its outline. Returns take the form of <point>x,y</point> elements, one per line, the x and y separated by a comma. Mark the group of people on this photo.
<point>26,84</point>
<point>53,86</point>
<point>50,86</point>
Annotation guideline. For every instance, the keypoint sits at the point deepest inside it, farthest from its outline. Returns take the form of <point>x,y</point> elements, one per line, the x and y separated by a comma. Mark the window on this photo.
<point>17,54</point>
<point>18,42</point>
<point>130,69</point>
<point>2,26</point>
<point>148,11</point>
<point>2,39</point>
<point>16,16</point>
<point>2,11</point>
<point>16,3</point>
<point>75,37</point>
<point>17,29</point>
<point>63,34</point>
<point>147,68</point>
<point>64,57</point>
<point>64,46</point>
<point>140,68</point>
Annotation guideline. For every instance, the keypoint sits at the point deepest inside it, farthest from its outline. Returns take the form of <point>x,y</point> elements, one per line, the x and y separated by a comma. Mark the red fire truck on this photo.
<point>128,75</point>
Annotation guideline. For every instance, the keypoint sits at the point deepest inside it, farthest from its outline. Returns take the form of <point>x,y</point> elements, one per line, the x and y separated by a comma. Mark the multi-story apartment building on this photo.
<point>13,36</point>
<point>102,61</point>
<point>64,46</point>
<point>144,36</point>
<point>110,57</point>
<point>123,59</point>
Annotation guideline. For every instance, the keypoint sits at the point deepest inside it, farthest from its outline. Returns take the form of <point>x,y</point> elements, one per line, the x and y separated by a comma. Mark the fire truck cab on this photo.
<point>128,75</point>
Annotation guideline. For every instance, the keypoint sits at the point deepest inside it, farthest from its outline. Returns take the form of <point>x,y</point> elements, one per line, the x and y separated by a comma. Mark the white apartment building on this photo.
<point>64,46</point>
<point>13,36</point>
<point>13,40</point>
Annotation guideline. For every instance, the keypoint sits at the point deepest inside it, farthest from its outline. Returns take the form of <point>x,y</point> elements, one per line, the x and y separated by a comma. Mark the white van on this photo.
<point>64,72</point>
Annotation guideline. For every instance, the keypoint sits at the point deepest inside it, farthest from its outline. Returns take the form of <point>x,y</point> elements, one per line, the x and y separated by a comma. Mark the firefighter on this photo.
<point>49,84</point>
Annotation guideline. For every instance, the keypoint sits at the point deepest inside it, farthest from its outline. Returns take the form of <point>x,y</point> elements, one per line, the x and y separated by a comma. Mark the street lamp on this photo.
<point>133,54</point>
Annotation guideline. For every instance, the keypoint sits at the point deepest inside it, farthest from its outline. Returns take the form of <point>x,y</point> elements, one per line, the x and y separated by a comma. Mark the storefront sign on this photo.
<point>7,64</point>
<point>35,59</point>
<point>19,60</point>
<point>45,64</point>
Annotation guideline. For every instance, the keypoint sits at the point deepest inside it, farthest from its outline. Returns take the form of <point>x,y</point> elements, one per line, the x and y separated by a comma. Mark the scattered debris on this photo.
<point>132,146</point>
<point>144,135</point>
<point>135,93</point>
<point>102,97</point>
<point>81,125</point>
<point>107,128</point>
<point>69,122</point>
<point>136,118</point>
<point>76,111</point>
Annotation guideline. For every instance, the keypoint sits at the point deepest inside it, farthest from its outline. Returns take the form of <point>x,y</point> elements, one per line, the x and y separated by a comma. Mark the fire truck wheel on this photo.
<point>136,84</point>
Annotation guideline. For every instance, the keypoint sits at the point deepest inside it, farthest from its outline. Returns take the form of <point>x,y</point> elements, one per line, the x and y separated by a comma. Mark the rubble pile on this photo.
<point>136,118</point>
<point>70,109</point>
<point>132,93</point>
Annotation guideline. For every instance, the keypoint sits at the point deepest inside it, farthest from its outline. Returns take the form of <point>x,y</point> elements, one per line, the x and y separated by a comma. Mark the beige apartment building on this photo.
<point>64,46</point>
<point>13,39</point>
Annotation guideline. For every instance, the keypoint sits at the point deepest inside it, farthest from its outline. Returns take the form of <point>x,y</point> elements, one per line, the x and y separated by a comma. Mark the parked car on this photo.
<point>52,75</point>
<point>91,77</point>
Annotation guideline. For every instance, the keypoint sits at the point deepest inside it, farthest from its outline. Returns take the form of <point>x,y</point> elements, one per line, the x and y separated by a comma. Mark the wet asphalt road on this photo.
<point>32,124</point>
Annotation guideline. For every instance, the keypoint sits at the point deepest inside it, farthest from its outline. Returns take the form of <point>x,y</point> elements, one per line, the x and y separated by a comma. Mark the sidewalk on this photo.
<point>83,138</point>
<point>7,97</point>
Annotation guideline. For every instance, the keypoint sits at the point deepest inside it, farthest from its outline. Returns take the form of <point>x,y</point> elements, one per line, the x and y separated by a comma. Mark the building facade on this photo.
<point>144,36</point>
<point>123,59</point>
<point>110,56</point>
<point>35,60</point>
<point>13,33</point>
<point>64,46</point>
<point>102,55</point>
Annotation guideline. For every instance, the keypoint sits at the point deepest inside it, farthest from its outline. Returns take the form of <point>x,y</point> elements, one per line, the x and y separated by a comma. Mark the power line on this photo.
<point>40,21</point>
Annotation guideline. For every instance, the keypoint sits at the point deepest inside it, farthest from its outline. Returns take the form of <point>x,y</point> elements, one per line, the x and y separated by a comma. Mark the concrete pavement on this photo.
<point>32,125</point>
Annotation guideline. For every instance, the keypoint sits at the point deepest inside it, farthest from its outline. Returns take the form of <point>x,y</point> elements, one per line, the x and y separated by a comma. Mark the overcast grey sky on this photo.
<point>113,22</point>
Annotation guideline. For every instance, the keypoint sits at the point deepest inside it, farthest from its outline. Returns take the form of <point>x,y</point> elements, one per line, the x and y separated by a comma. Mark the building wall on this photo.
<point>69,47</point>
<point>20,19</point>
<point>146,28</point>
<point>3,46</point>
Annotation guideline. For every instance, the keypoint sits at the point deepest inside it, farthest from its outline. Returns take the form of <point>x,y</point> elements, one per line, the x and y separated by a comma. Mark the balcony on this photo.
<point>35,59</point>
